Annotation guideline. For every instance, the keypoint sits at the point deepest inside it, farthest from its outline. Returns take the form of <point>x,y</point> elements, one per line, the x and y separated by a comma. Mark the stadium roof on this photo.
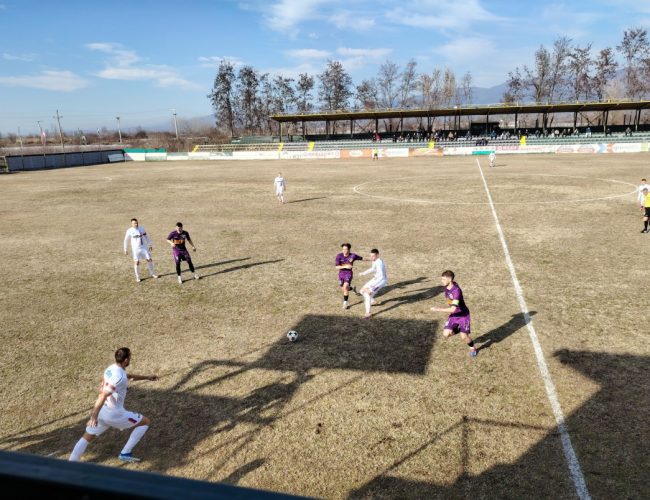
<point>490,109</point>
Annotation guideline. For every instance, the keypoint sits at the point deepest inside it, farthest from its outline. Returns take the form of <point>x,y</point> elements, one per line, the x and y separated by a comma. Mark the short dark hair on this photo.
<point>347,245</point>
<point>374,250</point>
<point>122,354</point>
<point>134,219</point>
<point>448,274</point>
<point>179,224</point>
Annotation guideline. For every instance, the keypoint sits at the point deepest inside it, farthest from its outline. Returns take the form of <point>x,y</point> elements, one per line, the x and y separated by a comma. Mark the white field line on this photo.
<point>572,460</point>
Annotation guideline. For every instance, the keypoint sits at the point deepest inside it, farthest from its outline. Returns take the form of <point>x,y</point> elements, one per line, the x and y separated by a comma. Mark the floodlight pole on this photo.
<point>40,130</point>
<point>58,119</point>
<point>175,124</point>
<point>119,132</point>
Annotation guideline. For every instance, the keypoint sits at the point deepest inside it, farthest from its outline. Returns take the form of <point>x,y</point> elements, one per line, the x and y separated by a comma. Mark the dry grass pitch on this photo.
<point>382,408</point>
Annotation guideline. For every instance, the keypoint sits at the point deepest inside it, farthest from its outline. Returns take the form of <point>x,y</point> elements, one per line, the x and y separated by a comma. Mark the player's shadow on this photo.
<point>607,431</point>
<point>496,335</point>
<point>415,296</point>
<point>306,199</point>
<point>243,266</point>
<point>400,284</point>
<point>208,266</point>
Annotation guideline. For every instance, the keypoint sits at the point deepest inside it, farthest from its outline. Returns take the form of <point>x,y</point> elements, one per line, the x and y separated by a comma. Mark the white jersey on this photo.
<point>639,192</point>
<point>280,184</point>
<point>493,158</point>
<point>115,383</point>
<point>379,269</point>
<point>138,237</point>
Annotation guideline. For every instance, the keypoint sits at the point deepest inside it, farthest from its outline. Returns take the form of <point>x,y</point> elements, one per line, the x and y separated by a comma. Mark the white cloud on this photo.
<point>61,81</point>
<point>124,64</point>
<point>212,61</point>
<point>441,14</point>
<point>286,15</point>
<point>377,53</point>
<point>308,53</point>
<point>18,57</point>
<point>346,20</point>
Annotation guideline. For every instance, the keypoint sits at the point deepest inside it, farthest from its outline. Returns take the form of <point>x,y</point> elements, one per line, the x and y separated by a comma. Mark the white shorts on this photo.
<point>141,254</point>
<point>118,419</point>
<point>374,286</point>
<point>279,191</point>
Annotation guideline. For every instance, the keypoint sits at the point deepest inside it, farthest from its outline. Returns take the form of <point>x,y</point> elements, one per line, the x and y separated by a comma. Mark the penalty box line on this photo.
<point>575,470</point>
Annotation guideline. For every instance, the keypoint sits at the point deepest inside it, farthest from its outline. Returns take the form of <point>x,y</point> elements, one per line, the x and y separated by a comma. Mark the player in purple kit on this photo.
<point>344,262</point>
<point>177,239</point>
<point>459,318</point>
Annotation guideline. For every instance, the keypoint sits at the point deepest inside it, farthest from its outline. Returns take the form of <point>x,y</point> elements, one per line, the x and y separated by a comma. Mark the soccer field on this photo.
<point>378,408</point>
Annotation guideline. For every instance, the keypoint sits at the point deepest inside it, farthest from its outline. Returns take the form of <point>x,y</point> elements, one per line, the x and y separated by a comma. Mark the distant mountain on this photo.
<point>490,95</point>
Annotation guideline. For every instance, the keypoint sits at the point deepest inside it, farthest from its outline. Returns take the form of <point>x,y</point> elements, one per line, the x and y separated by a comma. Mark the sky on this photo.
<point>144,60</point>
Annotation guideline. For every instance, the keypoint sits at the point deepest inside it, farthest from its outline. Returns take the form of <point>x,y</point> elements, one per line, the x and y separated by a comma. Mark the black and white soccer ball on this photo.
<point>292,335</point>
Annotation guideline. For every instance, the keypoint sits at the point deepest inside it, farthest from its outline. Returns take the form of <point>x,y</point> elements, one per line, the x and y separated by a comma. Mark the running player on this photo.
<point>344,262</point>
<point>109,409</point>
<point>280,187</point>
<point>376,283</point>
<point>645,206</point>
<point>493,159</point>
<point>141,248</point>
<point>459,318</point>
<point>177,239</point>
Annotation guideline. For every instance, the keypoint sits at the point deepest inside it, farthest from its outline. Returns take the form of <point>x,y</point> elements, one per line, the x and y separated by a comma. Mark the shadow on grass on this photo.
<point>415,296</point>
<point>306,199</point>
<point>496,335</point>
<point>607,432</point>
<point>243,266</point>
<point>206,266</point>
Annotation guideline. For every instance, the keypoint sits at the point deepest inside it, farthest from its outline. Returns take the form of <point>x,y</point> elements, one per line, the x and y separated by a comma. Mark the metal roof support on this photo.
<point>351,129</point>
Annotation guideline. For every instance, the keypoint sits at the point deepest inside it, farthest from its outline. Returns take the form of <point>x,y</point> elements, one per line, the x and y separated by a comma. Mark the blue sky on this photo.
<point>138,60</point>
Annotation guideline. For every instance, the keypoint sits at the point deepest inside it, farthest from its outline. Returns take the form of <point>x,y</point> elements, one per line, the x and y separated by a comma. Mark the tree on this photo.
<point>466,88</point>
<point>605,71</point>
<point>515,87</point>
<point>387,84</point>
<point>579,67</point>
<point>304,86</point>
<point>247,88</point>
<point>222,96</point>
<point>557,82</point>
<point>536,80</point>
<point>635,48</point>
<point>335,86</point>
<point>449,90</point>
<point>284,94</point>
<point>408,84</point>
<point>366,94</point>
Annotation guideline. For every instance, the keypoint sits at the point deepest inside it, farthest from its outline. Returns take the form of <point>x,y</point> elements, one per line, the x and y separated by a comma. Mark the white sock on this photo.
<point>366,301</point>
<point>137,273</point>
<point>134,438</point>
<point>78,450</point>
<point>150,266</point>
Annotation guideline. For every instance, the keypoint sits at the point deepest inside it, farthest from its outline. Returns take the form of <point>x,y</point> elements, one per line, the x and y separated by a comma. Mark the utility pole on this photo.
<point>175,124</point>
<point>58,119</point>
<point>40,130</point>
<point>119,132</point>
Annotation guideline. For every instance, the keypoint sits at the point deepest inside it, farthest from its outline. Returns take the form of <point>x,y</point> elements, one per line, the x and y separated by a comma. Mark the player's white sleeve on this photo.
<point>368,271</point>
<point>127,237</point>
<point>145,236</point>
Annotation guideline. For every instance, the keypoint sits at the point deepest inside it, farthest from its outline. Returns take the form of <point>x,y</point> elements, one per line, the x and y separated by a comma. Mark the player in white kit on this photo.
<point>378,281</point>
<point>109,409</point>
<point>280,187</point>
<point>141,248</point>
<point>493,159</point>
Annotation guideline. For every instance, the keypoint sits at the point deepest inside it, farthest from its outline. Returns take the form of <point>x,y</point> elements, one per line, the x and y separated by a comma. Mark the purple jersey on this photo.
<point>178,239</point>
<point>454,297</point>
<point>346,274</point>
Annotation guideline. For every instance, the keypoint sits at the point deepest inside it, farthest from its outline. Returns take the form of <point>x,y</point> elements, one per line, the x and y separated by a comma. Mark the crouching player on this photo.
<point>459,318</point>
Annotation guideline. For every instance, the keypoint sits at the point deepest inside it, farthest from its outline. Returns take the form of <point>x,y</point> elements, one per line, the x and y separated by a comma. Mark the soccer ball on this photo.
<point>292,335</point>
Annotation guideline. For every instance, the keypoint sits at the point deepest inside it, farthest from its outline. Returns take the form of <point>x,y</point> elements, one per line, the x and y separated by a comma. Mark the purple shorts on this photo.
<point>345,277</point>
<point>180,255</point>
<point>458,324</point>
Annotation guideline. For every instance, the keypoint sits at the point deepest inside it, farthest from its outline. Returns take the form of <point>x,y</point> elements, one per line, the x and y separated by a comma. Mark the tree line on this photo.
<point>243,98</point>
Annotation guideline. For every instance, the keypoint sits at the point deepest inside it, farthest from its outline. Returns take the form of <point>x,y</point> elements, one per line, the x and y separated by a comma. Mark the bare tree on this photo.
<point>388,84</point>
<point>366,94</point>
<point>558,69</point>
<point>265,103</point>
<point>408,84</point>
<point>285,96</point>
<point>335,86</point>
<point>304,86</point>
<point>605,71</point>
<point>635,48</point>
<point>515,87</point>
<point>222,96</point>
<point>449,90</point>
<point>247,88</point>
<point>466,88</point>
<point>537,79</point>
<point>579,67</point>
